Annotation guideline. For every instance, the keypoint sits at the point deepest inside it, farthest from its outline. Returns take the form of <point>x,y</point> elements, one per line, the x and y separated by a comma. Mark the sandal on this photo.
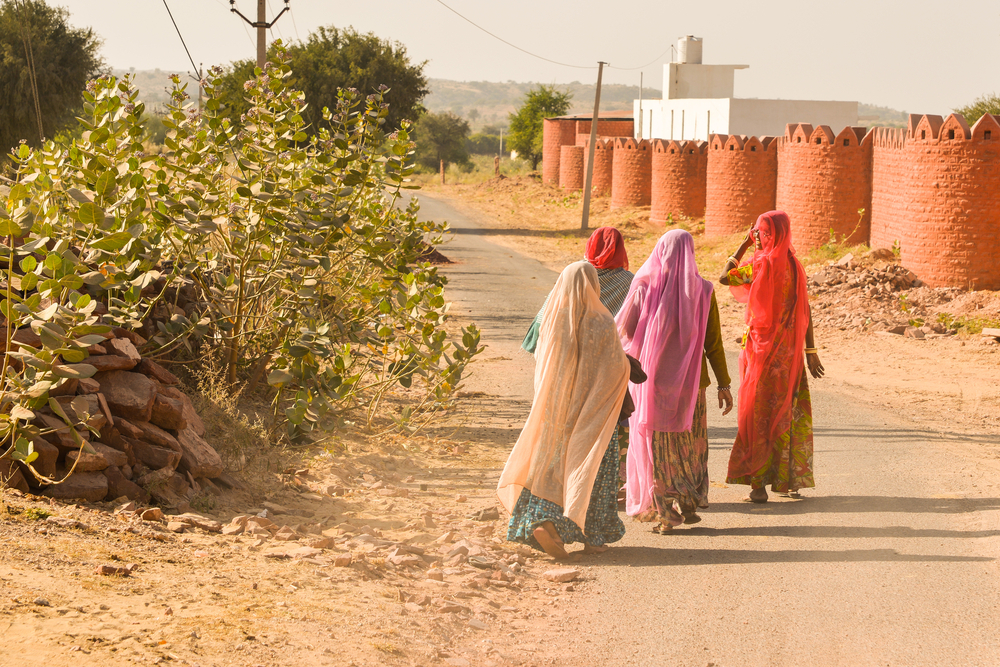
<point>663,529</point>
<point>758,499</point>
<point>691,517</point>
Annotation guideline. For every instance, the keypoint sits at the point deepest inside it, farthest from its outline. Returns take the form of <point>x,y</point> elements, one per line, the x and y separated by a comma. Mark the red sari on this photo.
<point>774,444</point>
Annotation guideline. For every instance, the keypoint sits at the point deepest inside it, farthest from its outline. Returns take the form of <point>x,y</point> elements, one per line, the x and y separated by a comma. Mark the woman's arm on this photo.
<point>812,356</point>
<point>716,354</point>
<point>631,319</point>
<point>735,258</point>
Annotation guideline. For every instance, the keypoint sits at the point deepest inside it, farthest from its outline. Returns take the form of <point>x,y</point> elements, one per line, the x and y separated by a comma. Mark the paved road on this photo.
<point>891,560</point>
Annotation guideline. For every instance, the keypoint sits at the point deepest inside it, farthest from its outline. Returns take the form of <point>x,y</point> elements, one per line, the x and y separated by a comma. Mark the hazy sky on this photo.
<point>918,56</point>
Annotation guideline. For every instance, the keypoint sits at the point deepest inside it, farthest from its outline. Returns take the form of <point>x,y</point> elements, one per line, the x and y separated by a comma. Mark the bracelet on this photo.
<point>812,350</point>
<point>726,388</point>
<point>733,259</point>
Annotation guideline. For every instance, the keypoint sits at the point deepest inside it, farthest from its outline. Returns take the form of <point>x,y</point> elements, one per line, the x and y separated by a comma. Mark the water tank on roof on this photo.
<point>689,50</point>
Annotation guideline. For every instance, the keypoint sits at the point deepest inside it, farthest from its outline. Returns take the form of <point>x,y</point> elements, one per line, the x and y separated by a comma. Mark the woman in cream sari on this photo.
<point>561,478</point>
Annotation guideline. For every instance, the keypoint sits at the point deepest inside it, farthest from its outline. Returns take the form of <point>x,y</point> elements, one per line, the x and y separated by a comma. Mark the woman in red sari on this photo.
<point>774,444</point>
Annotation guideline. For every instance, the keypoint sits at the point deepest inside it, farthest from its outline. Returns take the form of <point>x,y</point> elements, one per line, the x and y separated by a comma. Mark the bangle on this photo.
<point>726,388</point>
<point>733,259</point>
<point>812,350</point>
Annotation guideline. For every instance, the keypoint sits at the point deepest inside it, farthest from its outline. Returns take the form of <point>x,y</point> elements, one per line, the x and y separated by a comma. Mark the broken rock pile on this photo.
<point>151,442</point>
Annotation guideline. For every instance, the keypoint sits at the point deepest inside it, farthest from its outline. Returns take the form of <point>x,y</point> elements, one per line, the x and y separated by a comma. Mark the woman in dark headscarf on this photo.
<point>774,444</point>
<point>606,253</point>
<point>670,322</point>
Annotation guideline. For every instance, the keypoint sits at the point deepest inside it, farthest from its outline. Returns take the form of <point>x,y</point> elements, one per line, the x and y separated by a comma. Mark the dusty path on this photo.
<point>891,560</point>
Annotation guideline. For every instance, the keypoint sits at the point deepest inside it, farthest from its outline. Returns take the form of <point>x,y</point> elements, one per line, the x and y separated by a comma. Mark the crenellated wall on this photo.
<point>935,191</point>
<point>741,182</point>
<point>931,188</point>
<point>679,171</point>
<point>604,153</point>
<point>823,182</point>
<point>632,167</point>
<point>556,133</point>
<point>571,167</point>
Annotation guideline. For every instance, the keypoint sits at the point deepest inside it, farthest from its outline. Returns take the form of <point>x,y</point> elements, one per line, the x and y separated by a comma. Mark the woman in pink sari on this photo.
<point>774,444</point>
<point>670,322</point>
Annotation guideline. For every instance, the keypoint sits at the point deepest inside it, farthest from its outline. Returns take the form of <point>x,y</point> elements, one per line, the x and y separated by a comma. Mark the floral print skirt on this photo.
<point>680,469</point>
<point>602,526</point>
<point>789,466</point>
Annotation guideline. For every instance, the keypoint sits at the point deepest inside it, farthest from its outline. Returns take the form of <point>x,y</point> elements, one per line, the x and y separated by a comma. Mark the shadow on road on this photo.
<point>863,504</point>
<point>835,532</point>
<point>543,233</point>
<point>659,557</point>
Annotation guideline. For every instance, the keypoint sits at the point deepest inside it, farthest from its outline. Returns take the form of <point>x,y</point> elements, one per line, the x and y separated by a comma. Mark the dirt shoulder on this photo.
<point>945,382</point>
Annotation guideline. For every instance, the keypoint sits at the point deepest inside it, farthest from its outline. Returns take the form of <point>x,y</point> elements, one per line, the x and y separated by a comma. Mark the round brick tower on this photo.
<point>556,133</point>
<point>741,182</point>
<point>604,151</point>
<point>631,173</point>
<point>679,171</point>
<point>935,193</point>
<point>571,167</point>
<point>823,181</point>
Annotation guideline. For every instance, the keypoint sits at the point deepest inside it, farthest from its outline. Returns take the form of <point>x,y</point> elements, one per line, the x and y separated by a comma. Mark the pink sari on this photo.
<point>662,324</point>
<point>772,361</point>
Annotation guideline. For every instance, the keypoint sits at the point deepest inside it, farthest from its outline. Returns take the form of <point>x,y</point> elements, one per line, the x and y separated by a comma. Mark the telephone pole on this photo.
<point>590,149</point>
<point>262,26</point>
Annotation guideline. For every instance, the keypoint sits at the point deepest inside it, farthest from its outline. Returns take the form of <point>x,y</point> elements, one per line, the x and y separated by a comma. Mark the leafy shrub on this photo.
<point>288,248</point>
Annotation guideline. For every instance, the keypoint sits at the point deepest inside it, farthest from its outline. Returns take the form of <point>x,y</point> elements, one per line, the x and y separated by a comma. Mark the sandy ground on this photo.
<point>401,507</point>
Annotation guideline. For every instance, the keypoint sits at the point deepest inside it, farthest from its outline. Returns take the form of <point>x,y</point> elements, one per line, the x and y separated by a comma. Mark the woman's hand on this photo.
<point>815,367</point>
<point>725,399</point>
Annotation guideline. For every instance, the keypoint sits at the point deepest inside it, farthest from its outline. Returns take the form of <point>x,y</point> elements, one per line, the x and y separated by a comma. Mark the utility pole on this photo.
<point>261,24</point>
<point>590,150</point>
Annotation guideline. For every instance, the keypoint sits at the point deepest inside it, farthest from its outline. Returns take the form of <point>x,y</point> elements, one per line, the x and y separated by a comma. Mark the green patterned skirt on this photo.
<point>602,526</point>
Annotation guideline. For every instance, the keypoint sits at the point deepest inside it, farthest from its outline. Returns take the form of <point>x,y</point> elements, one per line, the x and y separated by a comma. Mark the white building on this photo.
<point>699,101</point>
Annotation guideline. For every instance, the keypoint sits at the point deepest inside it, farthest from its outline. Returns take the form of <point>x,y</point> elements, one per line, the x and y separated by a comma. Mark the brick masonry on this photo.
<point>931,188</point>
<point>571,167</point>
<point>741,182</point>
<point>934,192</point>
<point>679,172</point>
<point>632,173</point>
<point>823,181</point>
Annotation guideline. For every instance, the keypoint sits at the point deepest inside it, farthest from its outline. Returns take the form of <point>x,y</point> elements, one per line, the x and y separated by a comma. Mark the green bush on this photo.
<point>302,267</point>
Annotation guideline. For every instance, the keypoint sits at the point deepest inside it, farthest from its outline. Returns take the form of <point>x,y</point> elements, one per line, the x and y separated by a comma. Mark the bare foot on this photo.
<point>548,538</point>
<point>758,496</point>
<point>591,549</point>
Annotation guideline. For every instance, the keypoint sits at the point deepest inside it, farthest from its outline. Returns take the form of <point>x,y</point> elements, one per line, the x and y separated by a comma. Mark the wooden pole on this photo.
<point>590,150</point>
<point>261,33</point>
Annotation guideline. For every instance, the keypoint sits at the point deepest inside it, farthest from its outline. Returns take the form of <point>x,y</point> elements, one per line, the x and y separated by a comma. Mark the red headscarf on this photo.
<point>776,336</point>
<point>606,249</point>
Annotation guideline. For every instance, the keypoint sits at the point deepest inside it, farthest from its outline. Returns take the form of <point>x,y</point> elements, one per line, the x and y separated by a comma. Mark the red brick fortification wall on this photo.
<point>555,134</point>
<point>571,167</point>
<point>741,182</point>
<point>679,171</point>
<point>823,180</point>
<point>631,173</point>
<point>604,151</point>
<point>935,191</point>
<point>607,128</point>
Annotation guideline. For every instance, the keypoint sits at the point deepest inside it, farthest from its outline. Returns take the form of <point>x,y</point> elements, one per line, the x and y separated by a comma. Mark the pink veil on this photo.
<point>662,324</point>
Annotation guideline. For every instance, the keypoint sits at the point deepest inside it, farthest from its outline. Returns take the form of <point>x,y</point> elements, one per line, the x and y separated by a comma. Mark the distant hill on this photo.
<point>485,103</point>
<point>488,103</point>
<point>884,116</point>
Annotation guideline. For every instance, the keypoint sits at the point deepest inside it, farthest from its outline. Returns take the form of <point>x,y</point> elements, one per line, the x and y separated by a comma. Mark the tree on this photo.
<point>64,58</point>
<point>987,104</point>
<point>441,138</point>
<point>331,59</point>
<point>526,124</point>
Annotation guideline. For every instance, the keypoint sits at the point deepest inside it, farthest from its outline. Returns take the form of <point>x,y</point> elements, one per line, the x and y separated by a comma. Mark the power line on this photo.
<point>247,32</point>
<point>647,64</point>
<point>515,46</point>
<point>271,28</point>
<point>169,13</point>
<point>294,25</point>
